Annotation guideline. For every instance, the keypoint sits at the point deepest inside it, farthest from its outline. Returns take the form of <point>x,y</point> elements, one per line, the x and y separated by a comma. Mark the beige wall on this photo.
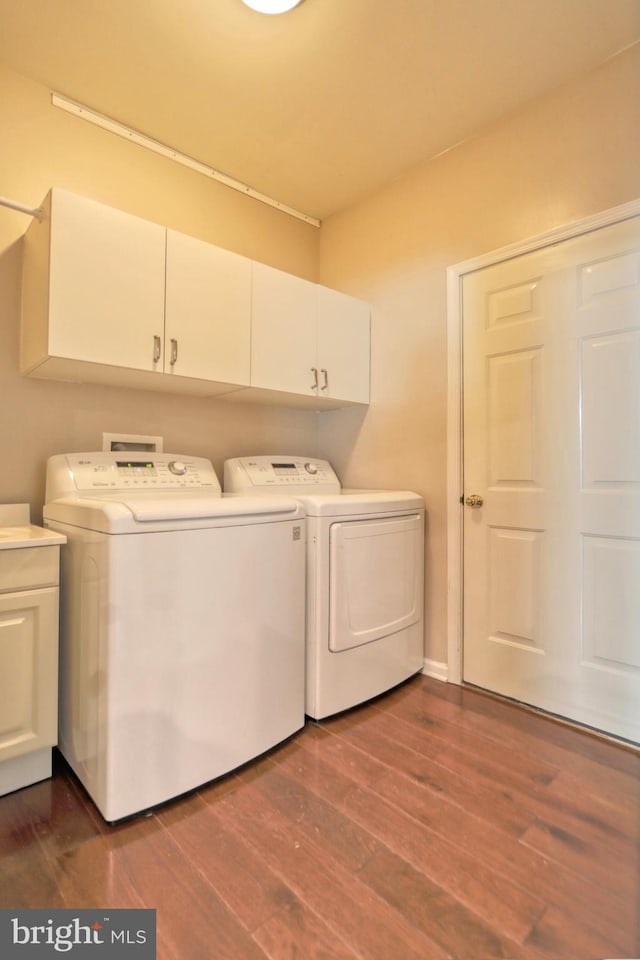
<point>41,146</point>
<point>569,155</point>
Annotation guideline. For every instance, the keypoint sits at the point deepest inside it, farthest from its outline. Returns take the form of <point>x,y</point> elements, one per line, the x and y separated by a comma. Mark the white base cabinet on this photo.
<point>114,299</point>
<point>29,583</point>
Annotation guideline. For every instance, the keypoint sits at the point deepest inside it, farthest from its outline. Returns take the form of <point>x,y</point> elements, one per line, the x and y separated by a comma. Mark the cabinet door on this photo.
<point>28,671</point>
<point>283,331</point>
<point>208,311</point>
<point>343,346</point>
<point>106,293</point>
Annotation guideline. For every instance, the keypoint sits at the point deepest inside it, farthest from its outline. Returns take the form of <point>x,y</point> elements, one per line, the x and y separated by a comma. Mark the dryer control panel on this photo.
<point>279,475</point>
<point>93,474</point>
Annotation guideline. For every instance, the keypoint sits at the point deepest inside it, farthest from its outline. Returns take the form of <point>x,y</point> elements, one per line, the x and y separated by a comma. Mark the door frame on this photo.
<point>455,439</point>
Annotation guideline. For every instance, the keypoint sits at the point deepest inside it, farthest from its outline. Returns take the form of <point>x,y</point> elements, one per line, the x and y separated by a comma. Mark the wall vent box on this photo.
<point>131,441</point>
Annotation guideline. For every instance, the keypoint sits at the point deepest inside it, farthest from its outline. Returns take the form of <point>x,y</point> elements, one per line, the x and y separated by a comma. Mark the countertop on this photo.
<point>16,531</point>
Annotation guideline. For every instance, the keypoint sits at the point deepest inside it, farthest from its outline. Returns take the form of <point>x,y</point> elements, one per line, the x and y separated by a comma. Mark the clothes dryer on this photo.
<point>365,578</point>
<point>182,632</point>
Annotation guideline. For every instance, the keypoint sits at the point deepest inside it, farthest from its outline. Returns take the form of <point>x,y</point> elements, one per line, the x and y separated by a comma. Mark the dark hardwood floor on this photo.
<point>434,822</point>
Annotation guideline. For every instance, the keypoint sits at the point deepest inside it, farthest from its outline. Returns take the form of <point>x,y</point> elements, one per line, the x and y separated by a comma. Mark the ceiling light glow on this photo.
<point>271,6</point>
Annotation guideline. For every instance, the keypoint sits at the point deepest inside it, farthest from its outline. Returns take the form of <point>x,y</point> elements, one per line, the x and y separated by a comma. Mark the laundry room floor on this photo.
<point>433,822</point>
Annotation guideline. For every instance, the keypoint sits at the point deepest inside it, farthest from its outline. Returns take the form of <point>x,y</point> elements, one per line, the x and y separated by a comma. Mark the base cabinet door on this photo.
<point>28,671</point>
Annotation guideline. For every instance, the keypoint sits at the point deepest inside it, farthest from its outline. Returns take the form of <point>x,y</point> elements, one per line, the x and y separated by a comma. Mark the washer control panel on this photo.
<point>275,474</point>
<point>111,472</point>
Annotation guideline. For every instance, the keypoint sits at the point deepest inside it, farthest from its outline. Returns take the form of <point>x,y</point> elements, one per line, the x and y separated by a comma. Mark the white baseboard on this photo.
<point>435,669</point>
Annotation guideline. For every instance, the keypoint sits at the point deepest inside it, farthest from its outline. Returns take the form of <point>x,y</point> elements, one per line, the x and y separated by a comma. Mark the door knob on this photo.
<point>474,500</point>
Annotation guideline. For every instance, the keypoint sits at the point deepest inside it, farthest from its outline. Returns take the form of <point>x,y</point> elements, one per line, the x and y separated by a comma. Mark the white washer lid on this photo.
<point>157,507</point>
<point>357,502</point>
<point>155,513</point>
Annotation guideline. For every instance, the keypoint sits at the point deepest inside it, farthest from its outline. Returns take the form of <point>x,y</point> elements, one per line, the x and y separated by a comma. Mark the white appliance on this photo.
<point>365,578</point>
<point>182,632</point>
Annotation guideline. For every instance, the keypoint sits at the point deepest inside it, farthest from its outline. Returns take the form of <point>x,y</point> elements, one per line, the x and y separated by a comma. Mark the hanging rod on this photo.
<point>37,213</point>
<point>134,136</point>
<point>30,211</point>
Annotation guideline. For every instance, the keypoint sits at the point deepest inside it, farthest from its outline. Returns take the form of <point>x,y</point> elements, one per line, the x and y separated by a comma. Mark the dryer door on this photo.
<point>375,579</point>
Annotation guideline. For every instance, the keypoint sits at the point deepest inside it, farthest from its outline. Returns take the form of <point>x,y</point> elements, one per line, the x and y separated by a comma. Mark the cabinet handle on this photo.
<point>326,379</point>
<point>174,352</point>
<point>314,371</point>
<point>157,348</point>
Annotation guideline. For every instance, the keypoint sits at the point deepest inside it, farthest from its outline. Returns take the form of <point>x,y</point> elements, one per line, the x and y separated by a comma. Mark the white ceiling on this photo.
<point>320,106</point>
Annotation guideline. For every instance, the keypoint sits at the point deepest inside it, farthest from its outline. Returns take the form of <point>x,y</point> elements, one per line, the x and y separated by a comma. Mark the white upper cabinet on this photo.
<point>308,340</point>
<point>93,285</point>
<point>110,298</point>
<point>343,346</point>
<point>208,311</point>
<point>284,319</point>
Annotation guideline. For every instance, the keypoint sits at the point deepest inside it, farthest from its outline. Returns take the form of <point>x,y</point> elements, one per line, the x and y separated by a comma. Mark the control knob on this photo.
<point>177,467</point>
<point>311,468</point>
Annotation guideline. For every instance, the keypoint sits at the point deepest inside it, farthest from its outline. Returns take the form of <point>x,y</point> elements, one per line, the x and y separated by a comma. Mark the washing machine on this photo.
<point>182,624</point>
<point>365,578</point>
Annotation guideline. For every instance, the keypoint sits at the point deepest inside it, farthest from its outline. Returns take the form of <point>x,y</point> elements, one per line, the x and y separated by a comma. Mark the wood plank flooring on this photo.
<point>433,822</point>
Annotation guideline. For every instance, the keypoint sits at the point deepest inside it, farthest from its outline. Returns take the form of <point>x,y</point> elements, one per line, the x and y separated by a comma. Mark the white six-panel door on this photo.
<point>551,348</point>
